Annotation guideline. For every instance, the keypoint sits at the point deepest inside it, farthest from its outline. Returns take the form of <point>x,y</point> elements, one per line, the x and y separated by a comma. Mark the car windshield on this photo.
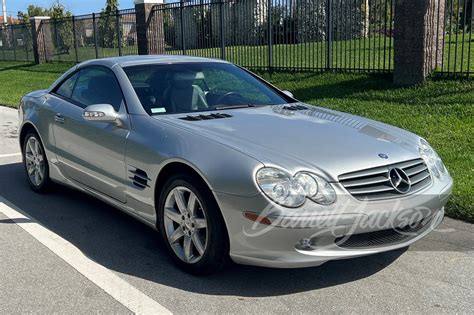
<point>194,87</point>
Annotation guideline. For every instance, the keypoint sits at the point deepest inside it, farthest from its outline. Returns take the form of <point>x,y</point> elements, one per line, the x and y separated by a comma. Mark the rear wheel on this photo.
<point>192,226</point>
<point>36,164</point>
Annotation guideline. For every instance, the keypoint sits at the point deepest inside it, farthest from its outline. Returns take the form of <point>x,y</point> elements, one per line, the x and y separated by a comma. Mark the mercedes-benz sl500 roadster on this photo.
<point>225,165</point>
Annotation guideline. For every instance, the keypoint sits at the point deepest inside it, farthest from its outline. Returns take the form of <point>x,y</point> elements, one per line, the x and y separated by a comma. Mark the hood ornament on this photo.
<point>383,156</point>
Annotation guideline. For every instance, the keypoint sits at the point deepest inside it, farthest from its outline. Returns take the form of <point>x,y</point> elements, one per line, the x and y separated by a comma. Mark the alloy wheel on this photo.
<point>35,161</point>
<point>185,224</point>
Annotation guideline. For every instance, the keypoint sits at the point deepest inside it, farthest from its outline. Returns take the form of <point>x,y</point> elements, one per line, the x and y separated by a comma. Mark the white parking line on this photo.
<point>10,155</point>
<point>123,292</point>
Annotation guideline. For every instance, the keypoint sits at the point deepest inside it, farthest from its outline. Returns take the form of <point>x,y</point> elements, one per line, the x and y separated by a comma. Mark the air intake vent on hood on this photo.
<point>205,117</point>
<point>295,107</point>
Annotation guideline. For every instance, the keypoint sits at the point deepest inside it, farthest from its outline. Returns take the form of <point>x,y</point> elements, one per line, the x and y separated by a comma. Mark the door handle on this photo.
<point>59,118</point>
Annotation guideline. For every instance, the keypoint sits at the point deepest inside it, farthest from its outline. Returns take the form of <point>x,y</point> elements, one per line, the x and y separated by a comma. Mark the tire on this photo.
<point>208,248</point>
<point>36,163</point>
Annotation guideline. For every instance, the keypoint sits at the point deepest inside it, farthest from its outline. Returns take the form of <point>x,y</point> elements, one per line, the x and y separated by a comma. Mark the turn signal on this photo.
<point>256,218</point>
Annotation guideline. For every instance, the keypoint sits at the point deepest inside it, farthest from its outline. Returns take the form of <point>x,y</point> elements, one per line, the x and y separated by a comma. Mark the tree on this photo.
<point>61,23</point>
<point>32,10</point>
<point>108,24</point>
<point>469,15</point>
<point>311,26</point>
<point>366,18</point>
<point>466,13</point>
<point>64,38</point>
<point>111,5</point>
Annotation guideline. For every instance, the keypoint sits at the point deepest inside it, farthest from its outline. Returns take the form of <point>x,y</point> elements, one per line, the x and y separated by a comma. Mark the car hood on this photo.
<point>324,141</point>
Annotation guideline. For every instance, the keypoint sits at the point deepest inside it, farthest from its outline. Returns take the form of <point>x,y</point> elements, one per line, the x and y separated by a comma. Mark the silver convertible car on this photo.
<point>225,165</point>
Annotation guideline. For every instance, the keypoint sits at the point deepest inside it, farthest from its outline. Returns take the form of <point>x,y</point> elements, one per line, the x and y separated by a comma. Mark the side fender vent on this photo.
<point>139,178</point>
<point>205,117</point>
<point>295,107</point>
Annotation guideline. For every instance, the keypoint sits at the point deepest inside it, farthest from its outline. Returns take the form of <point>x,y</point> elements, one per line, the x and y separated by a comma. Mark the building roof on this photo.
<point>10,20</point>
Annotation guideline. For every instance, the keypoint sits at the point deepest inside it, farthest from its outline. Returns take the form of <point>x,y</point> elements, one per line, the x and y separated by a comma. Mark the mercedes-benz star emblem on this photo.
<point>400,180</point>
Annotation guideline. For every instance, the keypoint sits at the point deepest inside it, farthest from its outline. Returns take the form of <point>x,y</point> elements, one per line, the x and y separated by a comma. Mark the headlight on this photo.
<point>432,160</point>
<point>308,183</point>
<point>290,191</point>
<point>280,187</point>
<point>316,188</point>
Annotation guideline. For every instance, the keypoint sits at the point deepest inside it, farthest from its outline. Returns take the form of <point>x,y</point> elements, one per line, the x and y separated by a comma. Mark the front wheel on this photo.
<point>192,226</point>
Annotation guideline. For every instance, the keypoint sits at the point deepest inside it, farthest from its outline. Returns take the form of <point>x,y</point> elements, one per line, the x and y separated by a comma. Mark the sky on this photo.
<point>77,7</point>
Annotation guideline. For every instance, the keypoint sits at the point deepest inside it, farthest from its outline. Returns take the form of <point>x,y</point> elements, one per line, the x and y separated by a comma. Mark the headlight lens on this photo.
<point>290,191</point>
<point>316,188</point>
<point>308,183</point>
<point>432,160</point>
<point>281,187</point>
<point>326,194</point>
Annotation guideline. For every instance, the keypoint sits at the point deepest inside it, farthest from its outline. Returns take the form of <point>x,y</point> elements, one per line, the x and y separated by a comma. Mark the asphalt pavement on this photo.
<point>48,241</point>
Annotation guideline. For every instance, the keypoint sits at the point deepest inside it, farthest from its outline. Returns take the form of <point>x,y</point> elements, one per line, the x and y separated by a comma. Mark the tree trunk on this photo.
<point>365,11</point>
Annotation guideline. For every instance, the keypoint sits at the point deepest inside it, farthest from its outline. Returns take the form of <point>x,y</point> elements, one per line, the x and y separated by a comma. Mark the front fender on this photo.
<point>223,168</point>
<point>152,145</point>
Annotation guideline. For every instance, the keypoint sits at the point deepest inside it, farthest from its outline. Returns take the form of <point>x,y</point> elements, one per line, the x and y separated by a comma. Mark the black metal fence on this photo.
<point>457,28</point>
<point>90,36</point>
<point>282,34</point>
<point>344,35</point>
<point>16,43</point>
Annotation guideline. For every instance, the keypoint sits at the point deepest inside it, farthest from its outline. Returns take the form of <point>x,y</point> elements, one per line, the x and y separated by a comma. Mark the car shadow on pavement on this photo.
<point>122,244</point>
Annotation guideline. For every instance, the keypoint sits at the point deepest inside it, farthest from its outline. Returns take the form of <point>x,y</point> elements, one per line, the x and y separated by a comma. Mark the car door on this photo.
<point>89,152</point>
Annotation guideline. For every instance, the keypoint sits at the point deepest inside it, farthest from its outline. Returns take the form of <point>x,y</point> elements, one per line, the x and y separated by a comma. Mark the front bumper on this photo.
<point>303,239</point>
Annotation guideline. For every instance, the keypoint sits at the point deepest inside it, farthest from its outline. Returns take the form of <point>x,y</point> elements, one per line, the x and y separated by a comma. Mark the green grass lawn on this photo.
<point>19,78</point>
<point>441,111</point>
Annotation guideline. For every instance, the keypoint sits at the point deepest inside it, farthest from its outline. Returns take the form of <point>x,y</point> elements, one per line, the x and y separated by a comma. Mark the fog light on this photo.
<point>304,244</point>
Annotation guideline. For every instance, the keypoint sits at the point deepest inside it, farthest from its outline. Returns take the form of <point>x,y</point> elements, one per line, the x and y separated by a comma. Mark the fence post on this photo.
<point>119,33</point>
<point>328,34</point>
<point>221,21</point>
<point>417,42</point>
<point>56,35</point>
<point>144,14</point>
<point>270,35</point>
<point>74,38</point>
<point>181,9</point>
<point>25,43</point>
<point>14,44</point>
<point>94,30</point>
<point>3,42</point>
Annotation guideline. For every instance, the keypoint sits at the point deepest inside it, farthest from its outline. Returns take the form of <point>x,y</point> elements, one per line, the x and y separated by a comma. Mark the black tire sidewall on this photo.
<point>216,252</point>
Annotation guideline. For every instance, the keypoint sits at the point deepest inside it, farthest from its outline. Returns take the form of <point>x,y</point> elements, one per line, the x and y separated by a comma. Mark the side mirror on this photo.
<point>288,93</point>
<point>101,113</point>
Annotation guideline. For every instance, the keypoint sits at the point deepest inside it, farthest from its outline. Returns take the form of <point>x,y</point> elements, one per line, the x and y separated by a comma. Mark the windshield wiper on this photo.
<point>224,107</point>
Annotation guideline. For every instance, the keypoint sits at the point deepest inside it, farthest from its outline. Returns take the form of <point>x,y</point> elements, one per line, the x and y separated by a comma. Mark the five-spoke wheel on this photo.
<point>36,164</point>
<point>192,225</point>
<point>185,224</point>
<point>34,157</point>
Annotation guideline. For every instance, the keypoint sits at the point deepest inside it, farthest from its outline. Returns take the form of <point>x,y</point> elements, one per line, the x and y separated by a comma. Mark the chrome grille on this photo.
<point>374,183</point>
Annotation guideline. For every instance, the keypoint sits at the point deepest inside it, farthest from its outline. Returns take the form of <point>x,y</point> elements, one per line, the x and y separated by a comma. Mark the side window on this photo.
<point>65,89</point>
<point>97,86</point>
